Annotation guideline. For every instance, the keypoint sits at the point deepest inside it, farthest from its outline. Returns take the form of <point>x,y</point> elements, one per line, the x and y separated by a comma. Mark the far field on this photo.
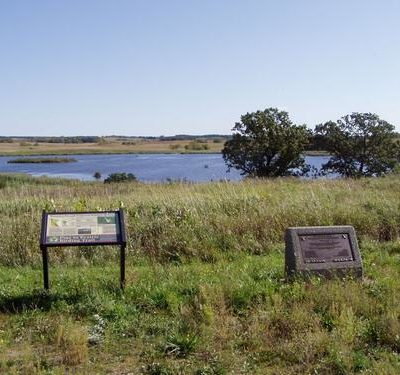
<point>205,289</point>
<point>112,146</point>
<point>118,145</point>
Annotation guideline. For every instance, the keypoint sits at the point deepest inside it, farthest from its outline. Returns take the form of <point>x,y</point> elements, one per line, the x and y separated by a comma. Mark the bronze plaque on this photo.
<point>325,251</point>
<point>322,248</point>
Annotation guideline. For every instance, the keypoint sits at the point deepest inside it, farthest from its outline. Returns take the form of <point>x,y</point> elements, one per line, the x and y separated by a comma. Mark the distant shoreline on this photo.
<point>35,160</point>
<point>124,152</point>
<point>77,153</point>
<point>112,146</point>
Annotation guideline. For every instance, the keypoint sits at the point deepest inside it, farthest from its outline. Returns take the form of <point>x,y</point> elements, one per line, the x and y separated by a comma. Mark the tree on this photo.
<point>361,144</point>
<point>267,144</point>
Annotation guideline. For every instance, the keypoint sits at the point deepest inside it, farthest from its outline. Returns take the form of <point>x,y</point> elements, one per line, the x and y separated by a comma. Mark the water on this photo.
<point>146,167</point>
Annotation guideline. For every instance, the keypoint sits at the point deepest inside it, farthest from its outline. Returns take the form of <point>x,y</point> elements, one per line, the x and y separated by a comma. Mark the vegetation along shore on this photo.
<point>41,160</point>
<point>205,289</point>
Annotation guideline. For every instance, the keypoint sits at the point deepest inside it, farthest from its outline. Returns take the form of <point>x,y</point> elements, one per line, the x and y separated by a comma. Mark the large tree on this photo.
<point>267,144</point>
<point>361,144</point>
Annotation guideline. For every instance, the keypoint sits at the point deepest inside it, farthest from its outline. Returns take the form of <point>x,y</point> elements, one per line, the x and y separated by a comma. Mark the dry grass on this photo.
<point>137,146</point>
<point>72,342</point>
<point>179,222</point>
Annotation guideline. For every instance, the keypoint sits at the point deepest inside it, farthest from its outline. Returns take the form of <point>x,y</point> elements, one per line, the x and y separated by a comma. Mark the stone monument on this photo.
<point>326,251</point>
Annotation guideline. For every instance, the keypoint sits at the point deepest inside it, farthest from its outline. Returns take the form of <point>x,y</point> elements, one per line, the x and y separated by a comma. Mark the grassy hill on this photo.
<point>205,284</point>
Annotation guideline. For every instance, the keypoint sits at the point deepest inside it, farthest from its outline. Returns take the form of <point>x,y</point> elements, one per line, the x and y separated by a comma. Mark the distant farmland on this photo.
<point>112,145</point>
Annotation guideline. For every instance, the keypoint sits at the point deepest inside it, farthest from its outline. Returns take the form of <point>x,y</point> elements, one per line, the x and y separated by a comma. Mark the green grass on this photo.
<point>231,316</point>
<point>205,287</point>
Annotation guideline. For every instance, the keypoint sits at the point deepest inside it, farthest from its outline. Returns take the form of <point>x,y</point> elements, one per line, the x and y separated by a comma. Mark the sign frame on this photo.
<point>120,241</point>
<point>297,264</point>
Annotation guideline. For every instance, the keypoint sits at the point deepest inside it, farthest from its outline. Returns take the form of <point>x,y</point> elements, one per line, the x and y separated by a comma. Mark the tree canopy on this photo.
<point>361,144</point>
<point>267,144</point>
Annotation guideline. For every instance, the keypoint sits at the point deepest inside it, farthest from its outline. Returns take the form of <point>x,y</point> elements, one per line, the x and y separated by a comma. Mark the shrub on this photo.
<point>120,177</point>
<point>196,146</point>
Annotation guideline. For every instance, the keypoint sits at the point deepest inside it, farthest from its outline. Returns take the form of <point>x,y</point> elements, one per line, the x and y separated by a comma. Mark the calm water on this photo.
<point>149,167</point>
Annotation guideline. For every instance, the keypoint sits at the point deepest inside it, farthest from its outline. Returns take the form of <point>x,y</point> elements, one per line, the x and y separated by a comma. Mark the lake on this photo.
<point>146,167</point>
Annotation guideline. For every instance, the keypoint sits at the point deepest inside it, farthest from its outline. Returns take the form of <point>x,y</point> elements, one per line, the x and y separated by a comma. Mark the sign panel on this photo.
<point>82,228</point>
<point>322,250</point>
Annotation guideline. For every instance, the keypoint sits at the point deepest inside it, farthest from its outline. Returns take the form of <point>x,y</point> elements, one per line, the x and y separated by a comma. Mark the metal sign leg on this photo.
<point>45,257</point>
<point>122,266</point>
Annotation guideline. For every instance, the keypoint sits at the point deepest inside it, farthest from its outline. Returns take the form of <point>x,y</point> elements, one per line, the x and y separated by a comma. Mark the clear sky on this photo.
<point>165,67</point>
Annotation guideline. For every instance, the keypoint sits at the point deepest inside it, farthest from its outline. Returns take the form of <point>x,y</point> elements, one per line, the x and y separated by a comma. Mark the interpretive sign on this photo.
<point>80,229</point>
<point>324,251</point>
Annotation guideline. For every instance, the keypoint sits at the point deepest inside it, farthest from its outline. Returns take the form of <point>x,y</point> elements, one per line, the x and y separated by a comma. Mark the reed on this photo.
<point>42,160</point>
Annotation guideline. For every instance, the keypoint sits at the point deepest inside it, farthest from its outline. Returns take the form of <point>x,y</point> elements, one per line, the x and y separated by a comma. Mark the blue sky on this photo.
<point>147,67</point>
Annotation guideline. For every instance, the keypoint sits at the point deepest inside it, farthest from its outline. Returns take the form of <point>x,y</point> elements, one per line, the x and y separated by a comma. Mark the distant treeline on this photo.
<point>6,140</point>
<point>97,139</point>
<point>77,139</point>
<point>178,137</point>
<point>185,137</point>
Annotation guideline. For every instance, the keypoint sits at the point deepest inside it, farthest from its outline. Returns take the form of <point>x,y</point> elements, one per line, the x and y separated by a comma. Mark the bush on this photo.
<point>196,146</point>
<point>120,177</point>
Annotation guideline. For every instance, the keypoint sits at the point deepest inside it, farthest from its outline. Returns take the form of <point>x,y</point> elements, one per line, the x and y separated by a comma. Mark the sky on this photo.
<point>166,67</point>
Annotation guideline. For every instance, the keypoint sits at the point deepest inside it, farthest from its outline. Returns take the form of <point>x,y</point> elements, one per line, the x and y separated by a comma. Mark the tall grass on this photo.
<point>181,221</point>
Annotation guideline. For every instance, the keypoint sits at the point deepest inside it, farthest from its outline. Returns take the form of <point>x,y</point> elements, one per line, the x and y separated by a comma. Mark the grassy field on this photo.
<point>109,147</point>
<point>205,283</point>
<point>114,146</point>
